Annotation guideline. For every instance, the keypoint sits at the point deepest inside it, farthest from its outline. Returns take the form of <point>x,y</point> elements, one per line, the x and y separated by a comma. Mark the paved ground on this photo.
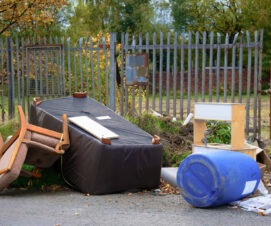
<point>72,208</point>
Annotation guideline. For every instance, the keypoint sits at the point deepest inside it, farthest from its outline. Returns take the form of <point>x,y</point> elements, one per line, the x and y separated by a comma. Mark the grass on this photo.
<point>9,128</point>
<point>50,177</point>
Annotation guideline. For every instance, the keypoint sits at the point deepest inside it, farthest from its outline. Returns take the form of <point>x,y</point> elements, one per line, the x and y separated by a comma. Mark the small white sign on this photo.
<point>249,187</point>
<point>93,127</point>
<point>103,117</point>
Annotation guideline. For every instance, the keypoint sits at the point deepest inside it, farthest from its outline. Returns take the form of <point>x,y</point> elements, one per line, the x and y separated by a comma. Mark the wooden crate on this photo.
<point>229,112</point>
<point>248,149</point>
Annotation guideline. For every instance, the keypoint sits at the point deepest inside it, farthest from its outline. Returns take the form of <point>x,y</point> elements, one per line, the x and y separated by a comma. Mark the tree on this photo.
<point>228,16</point>
<point>103,16</point>
<point>180,14</point>
<point>19,15</point>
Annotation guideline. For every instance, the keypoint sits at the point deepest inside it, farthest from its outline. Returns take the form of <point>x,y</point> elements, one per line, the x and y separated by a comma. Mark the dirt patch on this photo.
<point>181,141</point>
<point>176,138</point>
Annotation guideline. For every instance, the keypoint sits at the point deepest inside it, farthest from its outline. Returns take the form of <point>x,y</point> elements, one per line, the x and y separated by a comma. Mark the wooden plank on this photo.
<point>211,66</point>
<point>43,131</point>
<point>226,67</point>
<point>93,127</point>
<point>237,126</point>
<point>153,71</point>
<point>196,67</point>
<point>198,131</point>
<point>233,68</point>
<point>161,73</point>
<point>248,150</point>
<point>240,70</point>
<point>211,111</point>
<point>19,140</point>
<point>168,72</point>
<point>248,84</point>
<point>218,67</point>
<point>203,67</point>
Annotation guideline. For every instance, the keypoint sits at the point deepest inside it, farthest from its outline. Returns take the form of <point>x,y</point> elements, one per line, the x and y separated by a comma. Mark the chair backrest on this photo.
<point>46,146</point>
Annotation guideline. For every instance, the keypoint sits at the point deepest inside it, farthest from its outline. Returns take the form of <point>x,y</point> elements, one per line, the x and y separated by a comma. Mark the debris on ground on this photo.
<point>260,204</point>
<point>166,188</point>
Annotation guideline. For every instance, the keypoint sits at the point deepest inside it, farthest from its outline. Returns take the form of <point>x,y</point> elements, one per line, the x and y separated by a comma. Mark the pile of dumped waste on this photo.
<point>176,138</point>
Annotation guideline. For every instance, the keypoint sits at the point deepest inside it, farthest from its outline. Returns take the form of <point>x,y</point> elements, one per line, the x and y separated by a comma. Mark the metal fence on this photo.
<point>183,69</point>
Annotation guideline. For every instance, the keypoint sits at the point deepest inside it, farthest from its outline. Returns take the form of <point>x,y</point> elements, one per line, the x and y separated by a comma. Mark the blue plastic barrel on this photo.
<point>215,178</point>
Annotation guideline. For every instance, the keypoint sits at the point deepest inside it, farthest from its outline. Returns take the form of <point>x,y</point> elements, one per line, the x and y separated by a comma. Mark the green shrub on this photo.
<point>218,132</point>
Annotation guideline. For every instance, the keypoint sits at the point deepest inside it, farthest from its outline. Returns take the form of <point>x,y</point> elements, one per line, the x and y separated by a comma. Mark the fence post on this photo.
<point>10,81</point>
<point>112,72</point>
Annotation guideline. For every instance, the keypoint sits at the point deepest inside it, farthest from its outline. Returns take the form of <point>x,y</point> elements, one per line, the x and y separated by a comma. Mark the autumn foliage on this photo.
<point>27,13</point>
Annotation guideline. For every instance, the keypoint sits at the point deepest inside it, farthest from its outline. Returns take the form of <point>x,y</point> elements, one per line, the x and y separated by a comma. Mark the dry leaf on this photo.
<point>261,213</point>
<point>129,194</point>
<point>87,194</point>
<point>76,214</point>
<point>86,205</point>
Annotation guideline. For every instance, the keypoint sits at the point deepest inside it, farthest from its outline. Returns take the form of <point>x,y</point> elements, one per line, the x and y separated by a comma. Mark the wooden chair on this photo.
<point>31,145</point>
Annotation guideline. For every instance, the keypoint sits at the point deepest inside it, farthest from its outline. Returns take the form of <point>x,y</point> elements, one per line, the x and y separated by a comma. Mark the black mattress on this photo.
<point>130,162</point>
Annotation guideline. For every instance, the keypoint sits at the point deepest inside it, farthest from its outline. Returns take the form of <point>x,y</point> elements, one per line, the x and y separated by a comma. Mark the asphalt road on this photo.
<point>62,208</point>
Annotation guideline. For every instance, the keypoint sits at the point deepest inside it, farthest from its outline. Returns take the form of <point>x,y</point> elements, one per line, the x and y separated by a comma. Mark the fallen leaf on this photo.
<point>130,194</point>
<point>87,194</point>
<point>76,214</point>
<point>86,205</point>
<point>261,213</point>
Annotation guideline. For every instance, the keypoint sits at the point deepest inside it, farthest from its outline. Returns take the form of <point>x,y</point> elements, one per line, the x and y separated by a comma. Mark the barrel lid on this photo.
<point>198,180</point>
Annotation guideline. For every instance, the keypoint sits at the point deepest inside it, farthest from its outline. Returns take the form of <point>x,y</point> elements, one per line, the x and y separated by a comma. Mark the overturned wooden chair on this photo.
<point>32,145</point>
